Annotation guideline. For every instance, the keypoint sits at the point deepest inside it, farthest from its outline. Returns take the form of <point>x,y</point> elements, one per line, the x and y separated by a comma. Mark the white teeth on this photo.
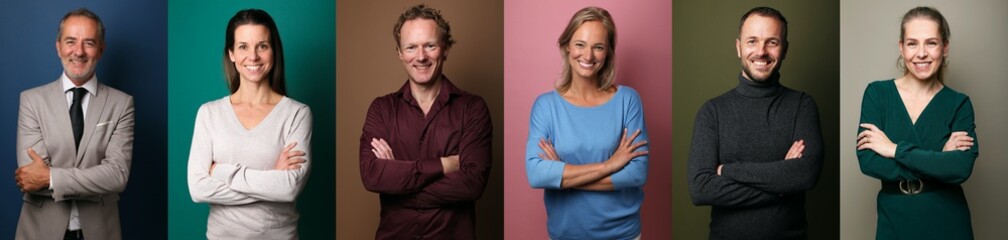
<point>585,64</point>
<point>422,67</point>
<point>760,63</point>
<point>253,67</point>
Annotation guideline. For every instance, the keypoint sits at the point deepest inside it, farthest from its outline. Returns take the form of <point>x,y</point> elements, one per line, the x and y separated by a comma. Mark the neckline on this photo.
<point>607,101</point>
<point>754,89</point>
<point>237,123</point>
<point>906,112</point>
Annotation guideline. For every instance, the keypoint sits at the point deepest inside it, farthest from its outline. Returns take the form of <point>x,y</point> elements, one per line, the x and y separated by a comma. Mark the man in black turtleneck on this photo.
<point>757,148</point>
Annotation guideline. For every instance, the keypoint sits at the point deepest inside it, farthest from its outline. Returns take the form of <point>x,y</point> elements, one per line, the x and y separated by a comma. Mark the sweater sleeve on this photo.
<point>792,175</point>
<point>873,164</point>
<point>475,160</point>
<point>541,173</point>
<point>269,184</point>
<point>952,166</point>
<point>391,176</point>
<point>705,186</point>
<point>634,174</point>
<point>203,187</point>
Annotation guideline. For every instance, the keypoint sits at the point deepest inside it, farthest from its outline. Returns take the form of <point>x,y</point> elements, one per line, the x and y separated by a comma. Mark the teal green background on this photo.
<point>195,76</point>
<point>705,65</point>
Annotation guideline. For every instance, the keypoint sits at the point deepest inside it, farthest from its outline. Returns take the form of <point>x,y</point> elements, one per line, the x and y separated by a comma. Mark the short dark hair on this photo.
<point>766,12</point>
<point>83,12</point>
<point>254,17</point>
<point>422,11</point>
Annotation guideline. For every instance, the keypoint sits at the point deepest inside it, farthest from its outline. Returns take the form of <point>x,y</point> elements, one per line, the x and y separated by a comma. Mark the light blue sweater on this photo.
<point>585,135</point>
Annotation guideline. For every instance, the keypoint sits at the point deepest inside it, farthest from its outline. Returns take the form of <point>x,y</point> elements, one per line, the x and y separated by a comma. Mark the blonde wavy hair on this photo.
<point>607,74</point>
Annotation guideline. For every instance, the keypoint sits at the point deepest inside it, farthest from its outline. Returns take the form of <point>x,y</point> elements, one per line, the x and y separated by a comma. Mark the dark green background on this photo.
<point>706,65</point>
<point>195,76</point>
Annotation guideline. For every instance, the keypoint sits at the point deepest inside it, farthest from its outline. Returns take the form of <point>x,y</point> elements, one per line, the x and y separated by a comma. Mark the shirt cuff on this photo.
<point>902,150</point>
<point>549,176</point>
<point>726,169</point>
<point>430,168</point>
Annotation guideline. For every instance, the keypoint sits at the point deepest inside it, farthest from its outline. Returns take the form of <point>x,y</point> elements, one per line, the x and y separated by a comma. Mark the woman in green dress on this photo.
<point>918,137</point>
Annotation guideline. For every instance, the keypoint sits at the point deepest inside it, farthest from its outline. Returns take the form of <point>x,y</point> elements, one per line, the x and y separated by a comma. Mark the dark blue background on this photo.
<point>134,61</point>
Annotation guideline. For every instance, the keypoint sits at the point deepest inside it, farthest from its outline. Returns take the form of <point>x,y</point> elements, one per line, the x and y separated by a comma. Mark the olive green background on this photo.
<point>706,65</point>
<point>195,76</point>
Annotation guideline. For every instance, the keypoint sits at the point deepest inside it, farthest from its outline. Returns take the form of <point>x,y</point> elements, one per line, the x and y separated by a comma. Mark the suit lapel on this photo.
<point>94,113</point>
<point>60,114</point>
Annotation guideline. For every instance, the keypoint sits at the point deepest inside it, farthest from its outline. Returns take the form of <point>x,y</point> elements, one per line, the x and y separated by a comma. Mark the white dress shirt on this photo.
<point>92,87</point>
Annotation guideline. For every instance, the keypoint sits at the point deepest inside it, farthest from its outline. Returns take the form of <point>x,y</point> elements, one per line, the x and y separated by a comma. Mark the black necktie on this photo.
<point>77,114</point>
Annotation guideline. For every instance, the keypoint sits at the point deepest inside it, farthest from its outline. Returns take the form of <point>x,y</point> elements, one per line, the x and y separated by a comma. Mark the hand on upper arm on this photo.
<point>796,150</point>
<point>873,138</point>
<point>626,151</point>
<point>549,153</point>
<point>381,149</point>
<point>958,141</point>
<point>289,159</point>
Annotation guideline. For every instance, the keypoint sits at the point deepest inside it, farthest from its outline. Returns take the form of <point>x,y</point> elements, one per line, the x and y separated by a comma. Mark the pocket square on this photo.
<point>102,124</point>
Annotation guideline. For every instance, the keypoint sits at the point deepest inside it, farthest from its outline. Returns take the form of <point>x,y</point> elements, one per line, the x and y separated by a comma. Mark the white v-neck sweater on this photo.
<point>248,199</point>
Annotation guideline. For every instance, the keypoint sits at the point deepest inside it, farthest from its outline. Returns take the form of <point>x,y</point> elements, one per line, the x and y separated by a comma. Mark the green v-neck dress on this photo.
<point>938,214</point>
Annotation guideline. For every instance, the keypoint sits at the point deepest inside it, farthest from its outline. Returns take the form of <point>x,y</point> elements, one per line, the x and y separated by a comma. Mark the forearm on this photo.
<point>108,176</point>
<point>206,189</point>
<point>706,188</point>
<point>202,187</point>
<point>705,185</point>
<point>102,179</point>
<point>790,173</point>
<point>885,169</point>
<point>475,160</point>
<point>267,185</point>
<point>397,176</point>
<point>458,187</point>
<point>391,176</point>
<point>604,184</point>
<point>951,167</point>
<point>579,175</point>
<point>275,185</point>
<point>781,176</point>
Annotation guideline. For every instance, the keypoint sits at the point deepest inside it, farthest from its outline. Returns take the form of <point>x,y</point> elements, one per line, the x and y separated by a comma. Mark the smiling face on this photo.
<point>79,48</point>
<point>252,52</point>
<point>587,50</point>
<point>922,48</point>
<point>760,47</point>
<point>421,50</point>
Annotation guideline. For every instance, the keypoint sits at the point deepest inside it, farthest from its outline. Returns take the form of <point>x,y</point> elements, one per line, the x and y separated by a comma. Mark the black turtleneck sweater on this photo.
<point>749,129</point>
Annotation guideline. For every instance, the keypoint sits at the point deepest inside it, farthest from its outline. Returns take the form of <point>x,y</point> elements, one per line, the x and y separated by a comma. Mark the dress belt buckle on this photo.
<point>912,187</point>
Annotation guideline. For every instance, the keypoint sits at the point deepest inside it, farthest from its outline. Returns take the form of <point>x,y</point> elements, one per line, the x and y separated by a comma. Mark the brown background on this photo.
<point>367,66</point>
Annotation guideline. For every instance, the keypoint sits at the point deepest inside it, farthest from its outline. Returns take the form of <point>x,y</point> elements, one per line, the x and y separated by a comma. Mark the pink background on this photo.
<point>532,64</point>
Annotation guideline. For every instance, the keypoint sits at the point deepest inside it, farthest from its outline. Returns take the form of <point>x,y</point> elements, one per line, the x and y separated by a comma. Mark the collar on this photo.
<point>750,88</point>
<point>91,85</point>
<point>448,90</point>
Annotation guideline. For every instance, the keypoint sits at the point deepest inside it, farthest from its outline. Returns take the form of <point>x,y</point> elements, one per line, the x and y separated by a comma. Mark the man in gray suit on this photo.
<point>73,166</point>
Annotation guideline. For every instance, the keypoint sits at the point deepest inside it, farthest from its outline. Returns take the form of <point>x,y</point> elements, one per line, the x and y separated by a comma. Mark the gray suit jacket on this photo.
<point>92,177</point>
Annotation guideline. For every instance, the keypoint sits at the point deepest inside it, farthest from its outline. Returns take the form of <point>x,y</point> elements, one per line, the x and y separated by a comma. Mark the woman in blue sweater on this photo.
<point>587,140</point>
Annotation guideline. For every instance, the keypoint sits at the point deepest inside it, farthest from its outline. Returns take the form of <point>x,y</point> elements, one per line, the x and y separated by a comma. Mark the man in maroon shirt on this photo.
<point>426,149</point>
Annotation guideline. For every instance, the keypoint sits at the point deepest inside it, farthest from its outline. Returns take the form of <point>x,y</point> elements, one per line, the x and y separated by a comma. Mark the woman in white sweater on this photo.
<point>250,153</point>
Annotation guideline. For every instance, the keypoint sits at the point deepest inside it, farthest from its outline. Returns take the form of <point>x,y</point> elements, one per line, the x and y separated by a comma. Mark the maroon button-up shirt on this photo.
<point>418,201</point>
